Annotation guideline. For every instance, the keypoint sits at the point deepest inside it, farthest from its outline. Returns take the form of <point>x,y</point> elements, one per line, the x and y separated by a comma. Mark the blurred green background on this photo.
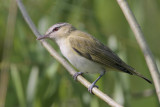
<point>30,77</point>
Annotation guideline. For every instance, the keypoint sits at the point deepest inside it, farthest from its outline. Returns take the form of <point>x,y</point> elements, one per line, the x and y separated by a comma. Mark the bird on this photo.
<point>86,53</point>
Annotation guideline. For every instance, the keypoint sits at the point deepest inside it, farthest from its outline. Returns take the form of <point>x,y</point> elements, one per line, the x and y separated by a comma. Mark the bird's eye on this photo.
<point>55,29</point>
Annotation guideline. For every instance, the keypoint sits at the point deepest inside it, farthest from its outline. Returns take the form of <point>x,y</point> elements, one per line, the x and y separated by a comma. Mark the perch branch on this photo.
<point>142,43</point>
<point>82,80</point>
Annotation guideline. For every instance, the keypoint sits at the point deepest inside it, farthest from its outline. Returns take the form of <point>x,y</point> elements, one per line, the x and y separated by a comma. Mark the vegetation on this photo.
<point>36,79</point>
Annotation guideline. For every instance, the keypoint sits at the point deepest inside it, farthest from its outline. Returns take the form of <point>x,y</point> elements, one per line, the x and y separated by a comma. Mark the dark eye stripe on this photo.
<point>56,29</point>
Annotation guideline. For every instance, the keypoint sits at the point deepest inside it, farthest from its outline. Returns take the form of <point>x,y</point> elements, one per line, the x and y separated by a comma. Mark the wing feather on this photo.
<point>94,50</point>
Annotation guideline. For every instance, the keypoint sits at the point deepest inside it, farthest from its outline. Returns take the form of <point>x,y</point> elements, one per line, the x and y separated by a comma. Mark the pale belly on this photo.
<point>81,63</point>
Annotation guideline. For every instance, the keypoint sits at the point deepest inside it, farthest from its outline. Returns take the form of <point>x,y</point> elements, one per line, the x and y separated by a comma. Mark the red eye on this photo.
<point>55,29</point>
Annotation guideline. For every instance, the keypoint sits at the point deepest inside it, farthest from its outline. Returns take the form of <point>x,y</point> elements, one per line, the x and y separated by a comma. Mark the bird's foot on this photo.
<point>91,87</point>
<point>76,74</point>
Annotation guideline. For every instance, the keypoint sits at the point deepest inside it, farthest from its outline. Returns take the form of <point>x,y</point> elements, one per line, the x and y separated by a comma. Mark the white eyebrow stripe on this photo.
<point>54,26</point>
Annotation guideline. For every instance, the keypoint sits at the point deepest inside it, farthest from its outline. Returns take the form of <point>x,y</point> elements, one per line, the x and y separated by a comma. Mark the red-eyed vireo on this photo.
<point>86,53</point>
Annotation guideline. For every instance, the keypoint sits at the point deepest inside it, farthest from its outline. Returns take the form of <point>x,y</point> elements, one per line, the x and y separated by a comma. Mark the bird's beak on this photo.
<point>42,37</point>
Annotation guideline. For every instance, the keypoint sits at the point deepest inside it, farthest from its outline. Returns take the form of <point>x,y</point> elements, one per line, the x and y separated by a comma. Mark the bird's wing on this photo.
<point>92,49</point>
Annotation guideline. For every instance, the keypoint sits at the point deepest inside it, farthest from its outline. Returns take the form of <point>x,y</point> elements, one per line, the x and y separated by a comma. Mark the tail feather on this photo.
<point>134,72</point>
<point>140,75</point>
<point>128,69</point>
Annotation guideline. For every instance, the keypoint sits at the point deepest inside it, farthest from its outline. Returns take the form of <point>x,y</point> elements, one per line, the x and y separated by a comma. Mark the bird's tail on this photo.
<point>140,75</point>
<point>132,71</point>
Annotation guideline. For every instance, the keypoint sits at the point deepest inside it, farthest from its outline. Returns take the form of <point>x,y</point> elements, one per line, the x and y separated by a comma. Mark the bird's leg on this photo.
<point>93,84</point>
<point>76,74</point>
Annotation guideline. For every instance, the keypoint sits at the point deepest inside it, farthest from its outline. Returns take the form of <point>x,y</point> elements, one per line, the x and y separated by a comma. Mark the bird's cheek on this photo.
<point>52,36</point>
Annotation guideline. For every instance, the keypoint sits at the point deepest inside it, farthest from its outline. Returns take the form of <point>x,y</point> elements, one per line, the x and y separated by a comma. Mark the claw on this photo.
<point>93,84</point>
<point>91,87</point>
<point>76,74</point>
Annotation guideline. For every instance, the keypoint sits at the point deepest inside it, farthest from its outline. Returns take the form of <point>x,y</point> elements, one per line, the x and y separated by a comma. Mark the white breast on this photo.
<point>81,63</point>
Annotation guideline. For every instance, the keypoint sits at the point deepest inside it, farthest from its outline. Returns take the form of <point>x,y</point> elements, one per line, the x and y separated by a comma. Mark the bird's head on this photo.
<point>57,31</point>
